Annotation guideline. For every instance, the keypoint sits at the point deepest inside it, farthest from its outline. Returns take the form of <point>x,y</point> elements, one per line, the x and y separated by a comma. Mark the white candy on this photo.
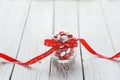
<point>58,37</point>
<point>64,37</point>
<point>62,53</point>
<point>68,50</point>
<point>61,46</point>
<point>65,40</point>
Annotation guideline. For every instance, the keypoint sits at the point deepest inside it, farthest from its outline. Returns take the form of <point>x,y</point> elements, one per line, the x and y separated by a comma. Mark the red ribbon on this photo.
<point>72,43</point>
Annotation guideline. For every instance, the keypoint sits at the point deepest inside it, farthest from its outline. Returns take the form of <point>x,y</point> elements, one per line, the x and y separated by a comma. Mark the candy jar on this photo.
<point>64,54</point>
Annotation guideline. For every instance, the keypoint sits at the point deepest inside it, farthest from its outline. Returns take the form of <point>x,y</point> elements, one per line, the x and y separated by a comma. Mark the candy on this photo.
<point>63,53</point>
<point>61,47</point>
<point>66,56</point>
<point>58,37</point>
<point>68,50</point>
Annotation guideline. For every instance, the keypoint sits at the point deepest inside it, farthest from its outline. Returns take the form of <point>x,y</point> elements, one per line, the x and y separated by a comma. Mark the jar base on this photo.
<point>70,60</point>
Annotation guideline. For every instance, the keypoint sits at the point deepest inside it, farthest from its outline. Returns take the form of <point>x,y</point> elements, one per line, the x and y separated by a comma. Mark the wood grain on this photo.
<point>112,17</point>
<point>24,24</point>
<point>12,18</point>
<point>38,28</point>
<point>93,29</point>
<point>65,19</point>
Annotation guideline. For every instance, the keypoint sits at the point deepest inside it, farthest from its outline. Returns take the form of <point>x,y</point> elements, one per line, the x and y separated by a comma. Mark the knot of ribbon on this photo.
<point>64,43</point>
<point>61,42</point>
<point>72,43</point>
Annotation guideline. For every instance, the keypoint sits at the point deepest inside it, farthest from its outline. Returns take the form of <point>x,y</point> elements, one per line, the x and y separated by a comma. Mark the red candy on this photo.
<point>66,56</point>
<point>70,36</point>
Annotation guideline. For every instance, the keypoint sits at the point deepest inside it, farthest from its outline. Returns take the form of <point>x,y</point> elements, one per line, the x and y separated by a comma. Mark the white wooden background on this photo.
<point>24,24</point>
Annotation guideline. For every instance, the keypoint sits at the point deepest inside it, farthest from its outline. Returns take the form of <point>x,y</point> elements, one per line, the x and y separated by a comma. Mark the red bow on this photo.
<point>72,43</point>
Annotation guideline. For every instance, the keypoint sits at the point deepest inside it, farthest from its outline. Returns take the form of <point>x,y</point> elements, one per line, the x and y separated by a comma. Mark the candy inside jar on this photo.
<point>64,54</point>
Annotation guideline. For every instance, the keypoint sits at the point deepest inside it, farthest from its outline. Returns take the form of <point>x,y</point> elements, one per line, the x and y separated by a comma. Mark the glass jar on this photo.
<point>64,54</point>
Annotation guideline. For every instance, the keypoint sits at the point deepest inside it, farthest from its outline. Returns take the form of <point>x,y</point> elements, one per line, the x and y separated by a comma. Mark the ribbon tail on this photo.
<point>116,56</point>
<point>86,45</point>
<point>32,61</point>
<point>10,59</point>
<point>40,57</point>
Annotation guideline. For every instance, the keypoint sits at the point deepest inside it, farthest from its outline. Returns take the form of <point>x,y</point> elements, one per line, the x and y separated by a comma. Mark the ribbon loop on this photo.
<point>72,43</point>
<point>52,43</point>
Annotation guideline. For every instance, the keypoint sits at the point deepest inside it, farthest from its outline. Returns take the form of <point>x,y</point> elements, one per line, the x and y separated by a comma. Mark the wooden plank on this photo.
<point>93,29</point>
<point>65,19</point>
<point>112,16</point>
<point>12,18</point>
<point>38,28</point>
